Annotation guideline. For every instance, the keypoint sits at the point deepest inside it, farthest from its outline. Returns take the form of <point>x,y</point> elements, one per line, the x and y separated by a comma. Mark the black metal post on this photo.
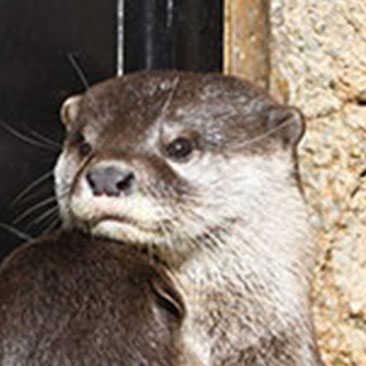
<point>149,34</point>
<point>173,34</point>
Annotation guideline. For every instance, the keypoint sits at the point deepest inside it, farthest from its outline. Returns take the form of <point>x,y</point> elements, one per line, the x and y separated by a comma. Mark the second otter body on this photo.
<point>201,170</point>
<point>68,299</point>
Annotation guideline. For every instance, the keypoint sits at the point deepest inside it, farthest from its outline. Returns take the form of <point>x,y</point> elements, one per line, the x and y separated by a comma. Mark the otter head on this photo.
<point>160,159</point>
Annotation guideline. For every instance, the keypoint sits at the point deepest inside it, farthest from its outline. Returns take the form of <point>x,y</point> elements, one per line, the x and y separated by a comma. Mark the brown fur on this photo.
<point>69,300</point>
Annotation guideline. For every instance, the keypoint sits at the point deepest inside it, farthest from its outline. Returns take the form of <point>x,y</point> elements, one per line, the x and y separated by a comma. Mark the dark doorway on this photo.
<point>39,41</point>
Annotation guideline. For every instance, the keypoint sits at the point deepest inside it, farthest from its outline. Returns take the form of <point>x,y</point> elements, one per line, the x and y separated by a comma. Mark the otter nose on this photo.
<point>110,181</point>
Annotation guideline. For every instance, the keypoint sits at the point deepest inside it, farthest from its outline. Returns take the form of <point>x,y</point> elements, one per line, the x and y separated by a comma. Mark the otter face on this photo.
<point>162,157</point>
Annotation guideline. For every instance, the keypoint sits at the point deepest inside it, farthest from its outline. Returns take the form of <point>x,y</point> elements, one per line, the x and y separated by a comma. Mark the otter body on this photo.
<point>201,170</point>
<point>69,300</point>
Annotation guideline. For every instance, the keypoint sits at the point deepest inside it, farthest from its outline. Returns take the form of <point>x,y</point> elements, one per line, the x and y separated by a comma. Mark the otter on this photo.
<point>201,171</point>
<point>67,299</point>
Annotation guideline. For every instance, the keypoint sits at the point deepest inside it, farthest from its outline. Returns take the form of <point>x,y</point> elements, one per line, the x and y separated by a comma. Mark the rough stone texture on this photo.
<point>319,65</point>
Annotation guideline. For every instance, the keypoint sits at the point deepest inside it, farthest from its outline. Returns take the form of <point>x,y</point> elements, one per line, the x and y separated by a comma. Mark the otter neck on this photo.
<point>275,245</point>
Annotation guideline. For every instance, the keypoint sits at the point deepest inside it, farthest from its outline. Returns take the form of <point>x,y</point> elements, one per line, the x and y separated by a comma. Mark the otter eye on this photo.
<point>84,148</point>
<point>78,139</point>
<point>180,148</point>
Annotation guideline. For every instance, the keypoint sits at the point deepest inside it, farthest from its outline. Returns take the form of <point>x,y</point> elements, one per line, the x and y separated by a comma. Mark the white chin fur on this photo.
<point>124,232</point>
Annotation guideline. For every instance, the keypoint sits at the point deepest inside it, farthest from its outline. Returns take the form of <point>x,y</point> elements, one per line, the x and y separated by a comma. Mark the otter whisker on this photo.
<point>170,97</point>
<point>76,65</point>
<point>34,208</point>
<point>51,223</point>
<point>34,197</point>
<point>44,216</point>
<point>13,230</point>
<point>27,139</point>
<point>29,188</point>
<point>267,134</point>
<point>45,139</point>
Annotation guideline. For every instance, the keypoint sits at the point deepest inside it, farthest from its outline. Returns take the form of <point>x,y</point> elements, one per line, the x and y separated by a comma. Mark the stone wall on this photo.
<point>318,58</point>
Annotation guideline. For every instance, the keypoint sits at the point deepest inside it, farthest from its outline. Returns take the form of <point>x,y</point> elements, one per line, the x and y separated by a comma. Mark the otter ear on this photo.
<point>288,124</point>
<point>70,109</point>
<point>169,299</point>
